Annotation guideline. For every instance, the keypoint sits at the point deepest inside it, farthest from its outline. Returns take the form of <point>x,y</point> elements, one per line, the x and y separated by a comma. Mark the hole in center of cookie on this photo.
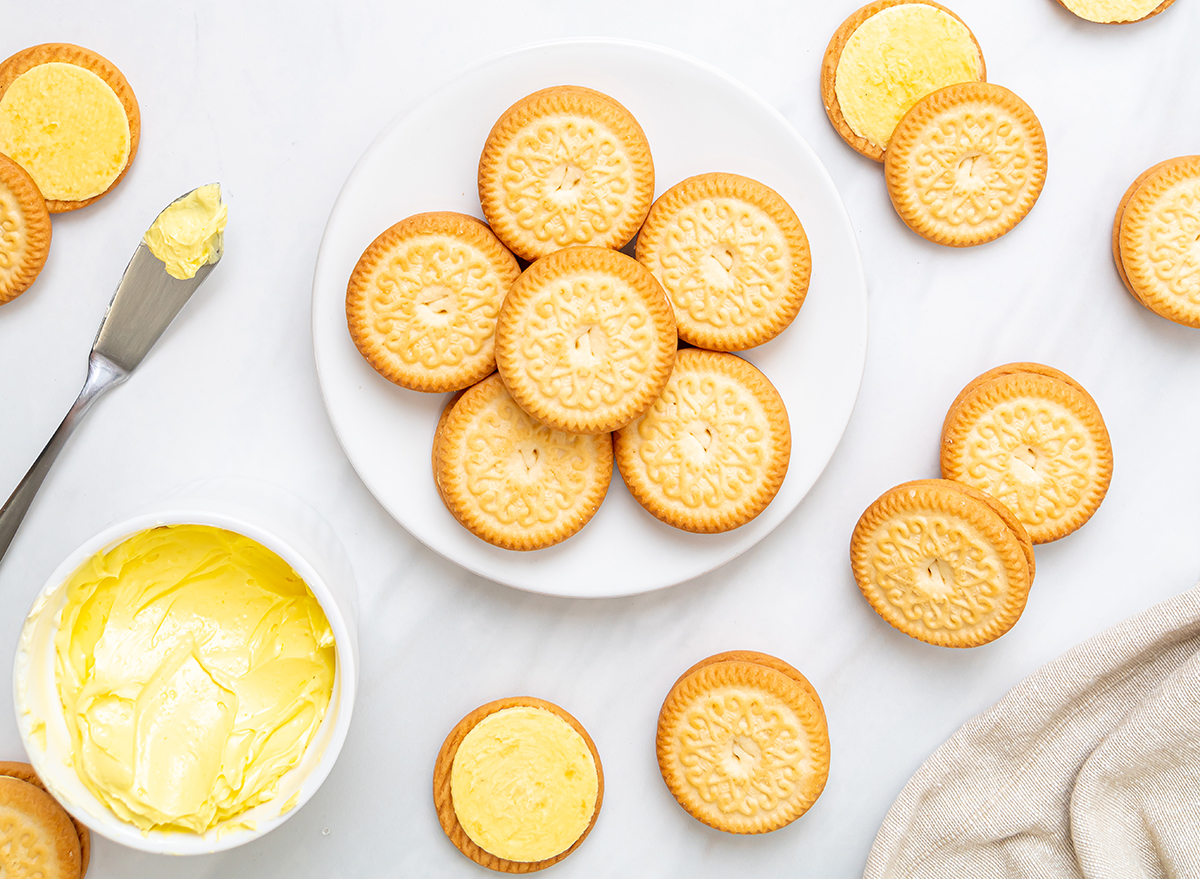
<point>566,180</point>
<point>1025,463</point>
<point>700,438</point>
<point>529,457</point>
<point>971,169</point>
<point>936,578</point>
<point>589,344</point>
<point>719,263</point>
<point>743,756</point>
<point>436,299</point>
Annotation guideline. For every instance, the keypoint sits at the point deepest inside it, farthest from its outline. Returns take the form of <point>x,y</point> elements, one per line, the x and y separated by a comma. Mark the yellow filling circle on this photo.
<point>67,128</point>
<point>524,784</point>
<point>1106,11</point>
<point>194,667</point>
<point>895,58</point>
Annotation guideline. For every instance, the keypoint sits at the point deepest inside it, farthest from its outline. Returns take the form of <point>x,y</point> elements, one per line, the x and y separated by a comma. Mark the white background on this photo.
<point>278,100</point>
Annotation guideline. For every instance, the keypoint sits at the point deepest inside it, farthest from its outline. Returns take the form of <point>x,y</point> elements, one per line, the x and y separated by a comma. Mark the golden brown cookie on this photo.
<point>513,481</point>
<point>585,340</point>
<point>24,772</point>
<point>732,256</point>
<point>896,52</point>
<point>24,230</point>
<point>437,433</point>
<point>940,564</point>
<point>742,742</point>
<point>64,128</point>
<point>711,453</point>
<point>1115,11</point>
<point>1014,369</point>
<point>966,164</point>
<point>1155,234</point>
<point>422,302</point>
<point>565,167</point>
<point>527,789</point>
<point>37,838</point>
<point>1035,443</point>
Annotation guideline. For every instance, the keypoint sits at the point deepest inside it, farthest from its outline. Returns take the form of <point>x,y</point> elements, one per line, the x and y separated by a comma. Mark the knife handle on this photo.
<point>102,375</point>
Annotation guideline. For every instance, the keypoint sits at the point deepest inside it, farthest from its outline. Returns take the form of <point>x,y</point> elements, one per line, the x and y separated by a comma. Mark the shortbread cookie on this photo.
<point>886,57</point>
<point>1116,11</point>
<point>518,785</point>
<point>1120,215</point>
<point>69,118</point>
<point>1157,228</point>
<point>513,481</point>
<point>24,772</point>
<point>24,230</point>
<point>437,435</point>
<point>37,838</point>
<point>422,302</point>
<point>966,164</point>
<point>1035,443</point>
<point>1014,369</point>
<point>585,340</point>
<point>732,256</point>
<point>711,453</point>
<point>742,742</point>
<point>940,564</point>
<point>565,167</point>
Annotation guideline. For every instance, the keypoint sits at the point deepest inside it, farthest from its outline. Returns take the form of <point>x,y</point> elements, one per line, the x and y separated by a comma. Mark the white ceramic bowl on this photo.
<point>280,522</point>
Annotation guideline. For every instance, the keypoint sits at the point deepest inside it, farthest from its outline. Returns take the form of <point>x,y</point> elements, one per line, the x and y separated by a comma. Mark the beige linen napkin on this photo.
<point>1090,767</point>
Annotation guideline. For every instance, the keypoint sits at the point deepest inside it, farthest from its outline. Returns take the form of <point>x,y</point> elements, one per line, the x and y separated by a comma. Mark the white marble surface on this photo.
<point>277,101</point>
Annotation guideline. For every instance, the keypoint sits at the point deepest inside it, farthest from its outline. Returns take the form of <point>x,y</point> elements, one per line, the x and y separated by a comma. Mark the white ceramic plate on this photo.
<point>696,119</point>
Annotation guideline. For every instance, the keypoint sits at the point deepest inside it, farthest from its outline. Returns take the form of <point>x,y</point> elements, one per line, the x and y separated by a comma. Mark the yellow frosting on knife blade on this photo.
<point>189,233</point>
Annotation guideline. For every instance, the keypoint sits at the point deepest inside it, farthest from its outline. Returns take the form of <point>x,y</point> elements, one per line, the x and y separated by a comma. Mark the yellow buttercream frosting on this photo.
<point>194,667</point>
<point>65,126</point>
<point>524,784</point>
<point>190,232</point>
<point>1107,11</point>
<point>896,57</point>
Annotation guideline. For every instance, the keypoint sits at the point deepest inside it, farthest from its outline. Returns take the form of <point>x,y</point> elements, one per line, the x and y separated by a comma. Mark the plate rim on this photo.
<point>842,215</point>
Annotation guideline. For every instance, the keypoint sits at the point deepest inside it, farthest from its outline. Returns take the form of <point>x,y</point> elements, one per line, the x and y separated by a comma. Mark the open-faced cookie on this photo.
<point>1116,11</point>
<point>69,118</point>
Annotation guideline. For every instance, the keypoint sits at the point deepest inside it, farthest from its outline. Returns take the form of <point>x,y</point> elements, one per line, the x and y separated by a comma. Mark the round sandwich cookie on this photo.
<point>1116,11</point>
<point>565,167</point>
<point>711,452</point>
<point>1036,443</point>
<point>732,256</point>
<point>37,838</point>
<point>886,57</point>
<point>585,340</point>
<point>1155,236</point>
<point>24,230</point>
<point>511,480</point>
<point>966,164</point>
<point>1017,368</point>
<point>518,785</point>
<point>69,118</point>
<point>421,303</point>
<point>742,742</point>
<point>941,564</point>
<point>24,772</point>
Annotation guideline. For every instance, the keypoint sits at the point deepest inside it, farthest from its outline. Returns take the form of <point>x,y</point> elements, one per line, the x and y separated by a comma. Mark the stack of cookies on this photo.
<point>584,341</point>
<point>904,83</point>
<point>1025,459</point>
<point>69,129</point>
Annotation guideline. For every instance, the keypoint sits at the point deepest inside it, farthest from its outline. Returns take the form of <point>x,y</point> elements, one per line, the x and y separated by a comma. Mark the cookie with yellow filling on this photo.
<point>511,480</point>
<point>37,837</point>
<point>742,742</point>
<point>24,772</point>
<point>886,57</point>
<point>69,118</point>
<point>1116,11</point>
<point>585,340</point>
<point>518,785</point>
<point>732,256</point>
<point>421,303</point>
<point>1154,240</point>
<point>966,164</point>
<point>1034,442</point>
<point>566,166</point>
<point>24,230</point>
<point>711,452</point>
<point>940,564</point>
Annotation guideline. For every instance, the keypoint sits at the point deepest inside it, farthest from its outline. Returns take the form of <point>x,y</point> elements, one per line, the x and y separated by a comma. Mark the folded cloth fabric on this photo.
<point>1090,767</point>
